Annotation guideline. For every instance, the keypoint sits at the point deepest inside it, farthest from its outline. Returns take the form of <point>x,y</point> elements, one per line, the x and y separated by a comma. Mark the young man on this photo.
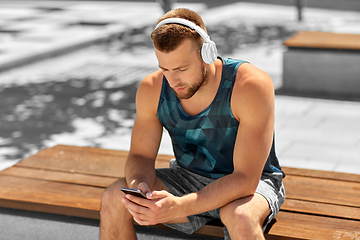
<point>220,116</point>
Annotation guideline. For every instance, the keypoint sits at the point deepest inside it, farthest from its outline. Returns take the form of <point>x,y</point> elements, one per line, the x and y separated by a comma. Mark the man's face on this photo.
<point>183,68</point>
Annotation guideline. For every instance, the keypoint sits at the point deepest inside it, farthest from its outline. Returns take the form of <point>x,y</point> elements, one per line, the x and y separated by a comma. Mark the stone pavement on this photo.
<point>33,30</point>
<point>310,133</point>
<point>318,134</point>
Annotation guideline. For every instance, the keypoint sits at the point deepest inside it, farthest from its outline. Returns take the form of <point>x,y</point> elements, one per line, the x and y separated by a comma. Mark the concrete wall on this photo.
<point>331,72</point>
<point>26,225</point>
<point>19,225</point>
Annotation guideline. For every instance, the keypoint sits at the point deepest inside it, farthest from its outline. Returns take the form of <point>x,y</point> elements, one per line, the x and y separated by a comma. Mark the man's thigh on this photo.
<point>180,182</point>
<point>159,185</point>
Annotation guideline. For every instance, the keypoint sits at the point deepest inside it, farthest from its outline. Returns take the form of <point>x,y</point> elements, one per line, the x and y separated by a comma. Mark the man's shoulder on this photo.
<point>153,80</point>
<point>252,86</point>
<point>148,92</point>
<point>249,76</point>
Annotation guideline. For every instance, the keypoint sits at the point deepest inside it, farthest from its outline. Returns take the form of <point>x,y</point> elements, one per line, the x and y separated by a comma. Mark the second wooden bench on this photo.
<point>322,64</point>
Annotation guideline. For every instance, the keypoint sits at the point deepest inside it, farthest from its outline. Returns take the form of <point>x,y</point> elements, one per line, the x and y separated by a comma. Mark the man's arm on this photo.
<point>146,134</point>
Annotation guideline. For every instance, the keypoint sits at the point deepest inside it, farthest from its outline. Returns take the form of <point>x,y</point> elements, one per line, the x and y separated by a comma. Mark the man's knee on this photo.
<point>233,215</point>
<point>111,197</point>
<point>244,216</point>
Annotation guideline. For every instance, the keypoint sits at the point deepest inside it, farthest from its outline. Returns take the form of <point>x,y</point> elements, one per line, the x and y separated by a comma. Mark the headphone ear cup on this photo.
<point>209,52</point>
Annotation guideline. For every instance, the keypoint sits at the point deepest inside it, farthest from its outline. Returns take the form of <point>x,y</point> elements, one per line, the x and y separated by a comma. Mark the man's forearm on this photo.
<point>218,194</point>
<point>139,169</point>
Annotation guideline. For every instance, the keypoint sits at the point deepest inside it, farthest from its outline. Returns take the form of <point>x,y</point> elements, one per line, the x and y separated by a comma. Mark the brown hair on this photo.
<point>168,37</point>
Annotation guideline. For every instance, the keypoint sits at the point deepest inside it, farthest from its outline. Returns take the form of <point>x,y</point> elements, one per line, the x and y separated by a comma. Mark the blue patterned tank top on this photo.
<point>204,143</point>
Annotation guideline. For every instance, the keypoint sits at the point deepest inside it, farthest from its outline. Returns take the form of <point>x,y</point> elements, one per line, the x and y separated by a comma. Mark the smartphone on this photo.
<point>135,192</point>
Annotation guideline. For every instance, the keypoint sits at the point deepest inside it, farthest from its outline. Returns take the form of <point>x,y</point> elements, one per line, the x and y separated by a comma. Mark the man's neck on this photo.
<point>206,93</point>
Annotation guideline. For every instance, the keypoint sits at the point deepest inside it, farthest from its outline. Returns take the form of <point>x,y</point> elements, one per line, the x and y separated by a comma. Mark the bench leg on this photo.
<point>166,5</point>
<point>300,5</point>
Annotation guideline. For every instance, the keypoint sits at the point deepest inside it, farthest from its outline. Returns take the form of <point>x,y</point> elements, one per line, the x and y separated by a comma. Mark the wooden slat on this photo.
<point>94,161</point>
<point>71,199</point>
<point>323,190</point>
<point>314,227</point>
<point>46,208</point>
<point>322,209</point>
<point>273,237</point>
<point>211,231</point>
<point>308,39</point>
<point>348,177</point>
<point>94,151</point>
<point>218,231</point>
<point>83,150</point>
<point>55,176</point>
<point>79,161</point>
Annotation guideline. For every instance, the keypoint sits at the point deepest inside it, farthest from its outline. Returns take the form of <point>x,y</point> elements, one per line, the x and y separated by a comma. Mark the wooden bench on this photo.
<point>322,64</point>
<point>68,181</point>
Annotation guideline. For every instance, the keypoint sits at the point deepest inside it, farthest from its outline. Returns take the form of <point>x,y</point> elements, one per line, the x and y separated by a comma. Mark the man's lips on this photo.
<point>179,89</point>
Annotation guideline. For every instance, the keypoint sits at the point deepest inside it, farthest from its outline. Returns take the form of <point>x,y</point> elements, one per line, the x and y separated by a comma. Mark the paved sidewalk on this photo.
<point>318,134</point>
<point>310,133</point>
<point>33,30</point>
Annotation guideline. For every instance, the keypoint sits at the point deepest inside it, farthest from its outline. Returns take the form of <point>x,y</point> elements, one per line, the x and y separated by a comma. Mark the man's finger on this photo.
<point>138,200</point>
<point>140,218</point>
<point>144,187</point>
<point>159,194</point>
<point>130,203</point>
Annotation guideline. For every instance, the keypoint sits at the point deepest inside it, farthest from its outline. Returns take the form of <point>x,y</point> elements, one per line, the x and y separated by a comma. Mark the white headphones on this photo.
<point>208,49</point>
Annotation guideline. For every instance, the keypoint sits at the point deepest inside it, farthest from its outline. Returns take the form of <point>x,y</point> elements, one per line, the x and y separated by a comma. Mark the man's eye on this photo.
<point>182,69</point>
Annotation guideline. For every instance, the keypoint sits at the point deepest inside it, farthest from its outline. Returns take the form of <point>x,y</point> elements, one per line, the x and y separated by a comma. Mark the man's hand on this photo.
<point>160,207</point>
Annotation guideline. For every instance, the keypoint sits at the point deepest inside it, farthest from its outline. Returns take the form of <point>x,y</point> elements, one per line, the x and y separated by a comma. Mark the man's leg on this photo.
<point>115,220</point>
<point>245,217</point>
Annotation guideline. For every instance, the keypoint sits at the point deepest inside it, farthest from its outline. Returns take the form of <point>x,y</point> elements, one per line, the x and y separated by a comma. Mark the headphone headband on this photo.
<point>186,23</point>
<point>208,49</point>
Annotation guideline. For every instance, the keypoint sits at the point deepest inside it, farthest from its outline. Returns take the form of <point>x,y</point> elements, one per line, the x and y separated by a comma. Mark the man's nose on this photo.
<point>173,78</point>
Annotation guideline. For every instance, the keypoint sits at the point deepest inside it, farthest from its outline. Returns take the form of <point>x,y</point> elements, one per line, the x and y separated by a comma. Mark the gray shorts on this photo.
<point>180,181</point>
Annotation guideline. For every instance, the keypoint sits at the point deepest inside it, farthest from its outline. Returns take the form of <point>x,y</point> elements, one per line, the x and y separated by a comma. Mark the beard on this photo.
<point>191,90</point>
